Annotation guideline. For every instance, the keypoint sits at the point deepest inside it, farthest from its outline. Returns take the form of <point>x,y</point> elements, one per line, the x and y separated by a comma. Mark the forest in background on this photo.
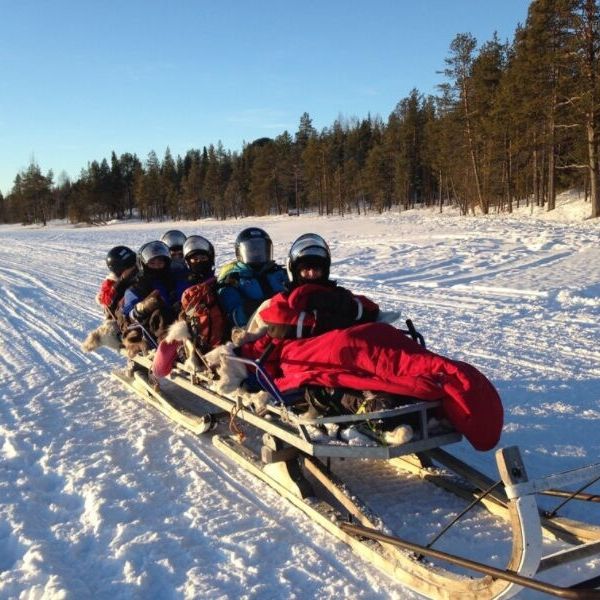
<point>514,123</point>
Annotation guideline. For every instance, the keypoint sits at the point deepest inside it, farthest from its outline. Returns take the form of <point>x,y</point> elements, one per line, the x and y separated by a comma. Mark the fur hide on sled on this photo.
<point>107,334</point>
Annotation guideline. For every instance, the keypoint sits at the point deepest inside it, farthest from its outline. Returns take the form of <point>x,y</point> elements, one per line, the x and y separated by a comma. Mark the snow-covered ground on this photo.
<point>102,497</point>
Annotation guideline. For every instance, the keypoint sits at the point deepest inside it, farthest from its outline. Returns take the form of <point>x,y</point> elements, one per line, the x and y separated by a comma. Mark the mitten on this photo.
<point>148,305</point>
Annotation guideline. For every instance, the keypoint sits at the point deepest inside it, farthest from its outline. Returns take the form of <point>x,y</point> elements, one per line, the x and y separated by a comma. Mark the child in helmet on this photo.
<point>201,323</point>
<point>252,278</point>
<point>319,334</point>
<point>314,304</point>
<point>122,266</point>
<point>174,239</point>
<point>153,300</point>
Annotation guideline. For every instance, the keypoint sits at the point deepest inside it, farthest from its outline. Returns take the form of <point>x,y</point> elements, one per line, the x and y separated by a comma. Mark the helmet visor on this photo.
<point>257,251</point>
<point>309,245</point>
<point>174,239</point>
<point>152,250</point>
<point>197,244</point>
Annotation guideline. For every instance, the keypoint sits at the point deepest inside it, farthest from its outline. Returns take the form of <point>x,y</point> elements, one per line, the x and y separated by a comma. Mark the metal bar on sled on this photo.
<point>529,582</point>
<point>557,480</point>
<point>558,527</point>
<point>283,430</point>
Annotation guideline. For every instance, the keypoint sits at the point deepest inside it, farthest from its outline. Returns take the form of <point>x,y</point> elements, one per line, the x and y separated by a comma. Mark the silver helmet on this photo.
<point>253,247</point>
<point>174,239</point>
<point>152,250</point>
<point>197,243</point>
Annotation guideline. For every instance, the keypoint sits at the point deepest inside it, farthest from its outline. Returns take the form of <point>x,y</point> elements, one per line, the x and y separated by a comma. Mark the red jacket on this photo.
<point>107,292</point>
<point>379,357</point>
<point>314,308</point>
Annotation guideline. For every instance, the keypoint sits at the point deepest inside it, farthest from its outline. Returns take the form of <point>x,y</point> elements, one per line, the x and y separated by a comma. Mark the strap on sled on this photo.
<point>145,332</point>
<point>414,334</point>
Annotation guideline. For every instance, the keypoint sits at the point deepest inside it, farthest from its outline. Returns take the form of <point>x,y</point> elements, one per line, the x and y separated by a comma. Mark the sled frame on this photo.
<point>286,458</point>
<point>291,428</point>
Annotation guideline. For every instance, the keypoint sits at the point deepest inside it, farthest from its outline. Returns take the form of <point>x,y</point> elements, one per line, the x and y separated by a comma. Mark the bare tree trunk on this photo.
<point>536,181</point>
<point>551,157</point>
<point>593,168</point>
<point>471,142</point>
<point>590,31</point>
<point>509,177</point>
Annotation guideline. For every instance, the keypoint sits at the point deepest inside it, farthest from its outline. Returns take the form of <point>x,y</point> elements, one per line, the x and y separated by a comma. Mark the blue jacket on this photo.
<point>242,289</point>
<point>169,288</point>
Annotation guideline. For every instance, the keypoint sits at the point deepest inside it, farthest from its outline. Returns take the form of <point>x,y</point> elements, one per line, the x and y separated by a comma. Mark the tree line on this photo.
<point>514,122</point>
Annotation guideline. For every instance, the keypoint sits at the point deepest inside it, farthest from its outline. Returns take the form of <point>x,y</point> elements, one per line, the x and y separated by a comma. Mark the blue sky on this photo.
<point>79,79</point>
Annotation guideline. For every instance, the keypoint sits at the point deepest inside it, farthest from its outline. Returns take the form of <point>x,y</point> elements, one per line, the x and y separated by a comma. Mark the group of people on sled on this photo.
<point>304,328</point>
<point>173,280</point>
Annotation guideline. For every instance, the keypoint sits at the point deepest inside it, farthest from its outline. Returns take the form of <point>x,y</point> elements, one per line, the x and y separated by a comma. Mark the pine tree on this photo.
<point>233,196</point>
<point>33,190</point>
<point>459,67</point>
<point>313,177</point>
<point>548,77</point>
<point>587,50</point>
<point>212,190</point>
<point>262,197</point>
<point>191,187</point>
<point>148,190</point>
<point>285,173</point>
<point>379,178</point>
<point>170,188</point>
<point>118,197</point>
<point>129,164</point>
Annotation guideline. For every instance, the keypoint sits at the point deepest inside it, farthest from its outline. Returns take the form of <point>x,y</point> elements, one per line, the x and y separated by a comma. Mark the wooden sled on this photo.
<point>297,467</point>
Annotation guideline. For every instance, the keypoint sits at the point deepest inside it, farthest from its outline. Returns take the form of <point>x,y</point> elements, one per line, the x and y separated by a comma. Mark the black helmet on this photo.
<point>174,239</point>
<point>310,249</point>
<point>253,247</point>
<point>152,250</point>
<point>196,244</point>
<point>120,258</point>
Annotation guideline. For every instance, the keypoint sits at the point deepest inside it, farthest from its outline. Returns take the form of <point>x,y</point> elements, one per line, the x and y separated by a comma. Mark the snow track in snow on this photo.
<point>104,498</point>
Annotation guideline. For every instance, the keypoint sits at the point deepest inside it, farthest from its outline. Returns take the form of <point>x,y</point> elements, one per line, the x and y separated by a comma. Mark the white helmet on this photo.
<point>174,239</point>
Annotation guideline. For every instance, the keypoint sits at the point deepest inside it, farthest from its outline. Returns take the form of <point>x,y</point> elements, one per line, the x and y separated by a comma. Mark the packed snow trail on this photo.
<point>103,497</point>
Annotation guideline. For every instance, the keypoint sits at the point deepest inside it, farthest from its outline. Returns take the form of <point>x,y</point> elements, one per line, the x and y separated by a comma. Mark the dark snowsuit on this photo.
<point>168,287</point>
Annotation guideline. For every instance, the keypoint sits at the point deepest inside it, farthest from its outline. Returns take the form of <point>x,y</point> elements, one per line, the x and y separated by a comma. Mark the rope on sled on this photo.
<point>234,426</point>
<point>552,513</point>
<point>463,512</point>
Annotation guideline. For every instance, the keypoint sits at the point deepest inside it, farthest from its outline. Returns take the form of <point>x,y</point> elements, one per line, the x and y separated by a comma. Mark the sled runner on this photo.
<point>275,442</point>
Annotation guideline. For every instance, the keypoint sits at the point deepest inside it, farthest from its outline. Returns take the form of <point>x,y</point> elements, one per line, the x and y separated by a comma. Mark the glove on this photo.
<point>335,309</point>
<point>335,301</point>
<point>148,305</point>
